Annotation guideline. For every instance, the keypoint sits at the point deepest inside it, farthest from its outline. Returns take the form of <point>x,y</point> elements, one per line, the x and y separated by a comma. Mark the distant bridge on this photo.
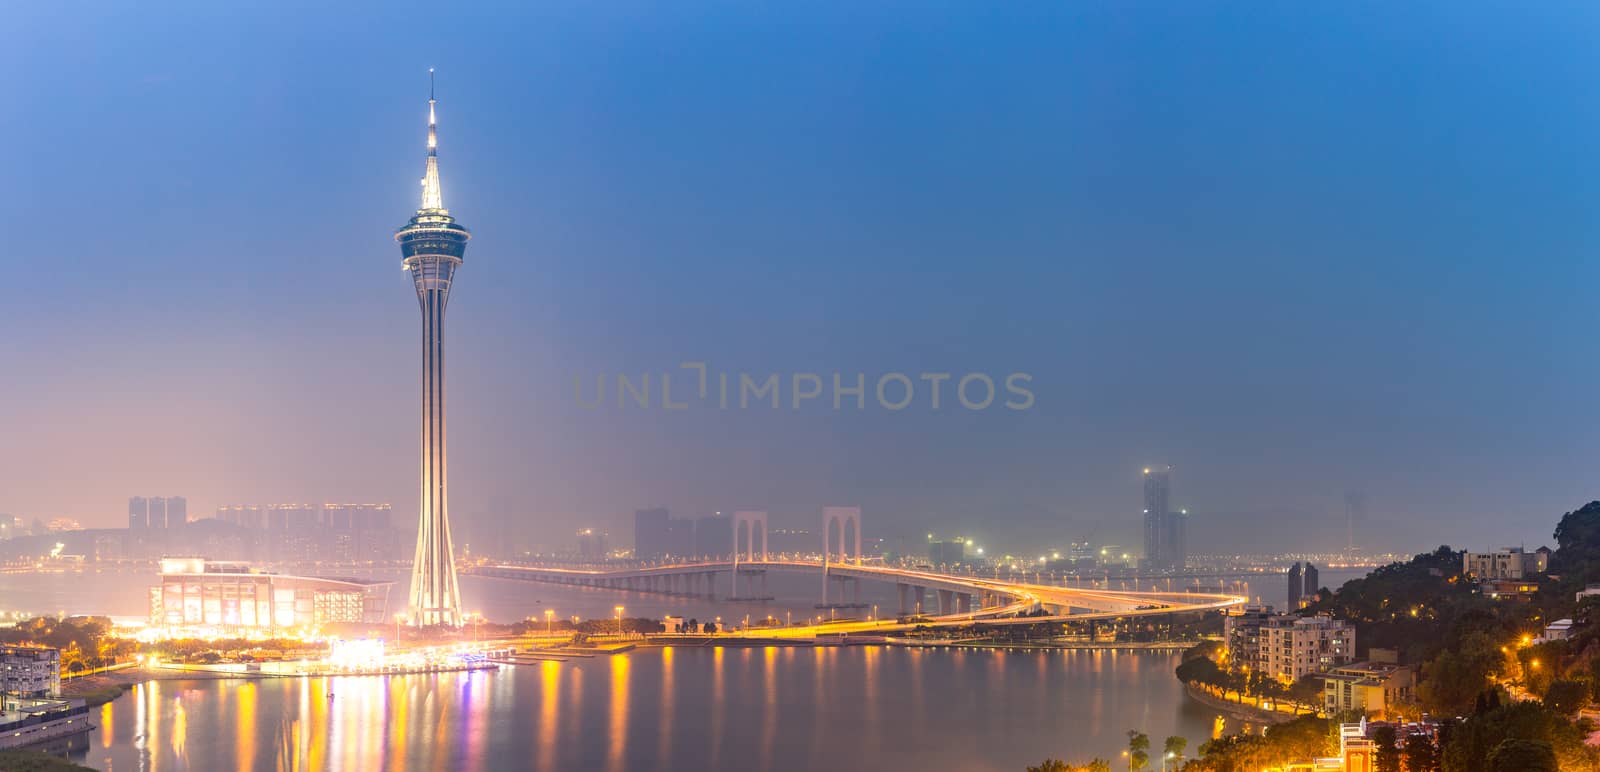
<point>961,599</point>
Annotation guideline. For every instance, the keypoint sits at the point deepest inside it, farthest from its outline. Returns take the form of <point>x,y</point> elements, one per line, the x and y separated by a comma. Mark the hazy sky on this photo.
<point>1290,249</point>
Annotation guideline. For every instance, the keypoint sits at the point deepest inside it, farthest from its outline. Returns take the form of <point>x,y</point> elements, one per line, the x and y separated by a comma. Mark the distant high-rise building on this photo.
<point>1312,584</point>
<point>592,543</point>
<point>947,552</point>
<point>158,512</point>
<point>713,536</point>
<point>243,516</point>
<point>138,512</point>
<point>657,534</point>
<point>177,511</point>
<point>650,533</point>
<point>680,537</point>
<point>299,518</point>
<point>1177,545</point>
<point>357,531</point>
<point>1297,586</point>
<point>1166,532</point>
<point>792,541</point>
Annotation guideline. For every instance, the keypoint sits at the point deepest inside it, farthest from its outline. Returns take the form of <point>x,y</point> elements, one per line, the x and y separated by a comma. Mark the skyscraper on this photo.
<point>1177,545</point>
<point>1296,586</point>
<point>138,512</point>
<point>1312,585</point>
<point>1166,532</point>
<point>1157,503</point>
<point>433,245</point>
<point>650,529</point>
<point>158,512</point>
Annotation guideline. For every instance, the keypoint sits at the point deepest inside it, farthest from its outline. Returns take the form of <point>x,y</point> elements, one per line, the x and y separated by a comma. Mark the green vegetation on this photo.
<point>101,696</point>
<point>196,651</point>
<point>1303,738</point>
<point>33,761</point>
<point>83,641</point>
<point>1522,756</point>
<point>1138,750</point>
<point>1517,700</point>
<point>1471,743</point>
<point>1057,765</point>
<point>1388,749</point>
<point>1200,668</point>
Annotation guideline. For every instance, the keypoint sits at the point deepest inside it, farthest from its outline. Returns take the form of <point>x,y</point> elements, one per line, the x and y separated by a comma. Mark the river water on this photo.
<point>689,708</point>
<point>678,708</point>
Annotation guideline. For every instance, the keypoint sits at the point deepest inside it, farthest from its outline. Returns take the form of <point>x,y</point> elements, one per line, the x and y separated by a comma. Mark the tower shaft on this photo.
<point>435,595</point>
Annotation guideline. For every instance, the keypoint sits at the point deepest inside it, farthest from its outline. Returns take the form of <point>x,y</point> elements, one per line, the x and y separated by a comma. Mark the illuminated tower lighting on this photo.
<point>433,245</point>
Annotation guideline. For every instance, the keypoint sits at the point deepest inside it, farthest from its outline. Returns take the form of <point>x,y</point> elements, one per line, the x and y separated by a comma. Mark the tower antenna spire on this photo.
<point>432,197</point>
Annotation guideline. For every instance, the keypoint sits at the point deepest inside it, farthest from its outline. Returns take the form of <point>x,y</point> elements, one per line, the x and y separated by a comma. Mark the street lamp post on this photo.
<point>549,621</point>
<point>619,621</point>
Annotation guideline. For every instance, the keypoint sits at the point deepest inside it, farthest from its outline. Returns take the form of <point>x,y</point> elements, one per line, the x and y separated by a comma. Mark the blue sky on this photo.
<point>1291,250</point>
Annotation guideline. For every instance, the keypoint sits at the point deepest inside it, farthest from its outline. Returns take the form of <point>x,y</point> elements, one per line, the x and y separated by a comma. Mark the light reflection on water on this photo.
<point>687,707</point>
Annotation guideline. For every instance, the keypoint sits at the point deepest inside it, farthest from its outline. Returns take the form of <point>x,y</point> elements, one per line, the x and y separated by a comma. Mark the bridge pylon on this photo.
<point>845,517</point>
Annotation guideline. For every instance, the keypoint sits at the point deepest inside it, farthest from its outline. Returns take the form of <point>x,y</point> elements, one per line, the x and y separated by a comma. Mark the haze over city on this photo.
<point>1292,253</point>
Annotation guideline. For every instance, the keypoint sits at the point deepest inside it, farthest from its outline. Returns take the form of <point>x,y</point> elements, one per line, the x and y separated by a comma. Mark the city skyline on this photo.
<point>1039,387</point>
<point>1285,349</point>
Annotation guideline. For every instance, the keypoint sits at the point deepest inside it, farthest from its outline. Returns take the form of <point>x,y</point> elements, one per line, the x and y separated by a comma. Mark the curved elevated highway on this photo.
<point>961,599</point>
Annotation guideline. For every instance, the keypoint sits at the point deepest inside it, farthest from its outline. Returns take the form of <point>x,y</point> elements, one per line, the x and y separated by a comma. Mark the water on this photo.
<point>700,708</point>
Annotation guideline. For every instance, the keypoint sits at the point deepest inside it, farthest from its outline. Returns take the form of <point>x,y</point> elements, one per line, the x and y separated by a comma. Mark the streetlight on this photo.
<point>619,621</point>
<point>549,620</point>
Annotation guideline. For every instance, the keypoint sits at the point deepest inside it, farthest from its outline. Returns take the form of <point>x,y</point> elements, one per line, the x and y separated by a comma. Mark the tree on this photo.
<point>1050,765</point>
<point>1515,755</point>
<point>1173,747</point>
<point>1577,555</point>
<point>1468,744</point>
<point>1420,754</point>
<point>1138,749</point>
<point>1388,749</point>
<point>1307,691</point>
<point>1458,674</point>
<point>1566,695</point>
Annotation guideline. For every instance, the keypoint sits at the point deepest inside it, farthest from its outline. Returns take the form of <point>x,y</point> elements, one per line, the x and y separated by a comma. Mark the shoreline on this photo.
<point>1238,711</point>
